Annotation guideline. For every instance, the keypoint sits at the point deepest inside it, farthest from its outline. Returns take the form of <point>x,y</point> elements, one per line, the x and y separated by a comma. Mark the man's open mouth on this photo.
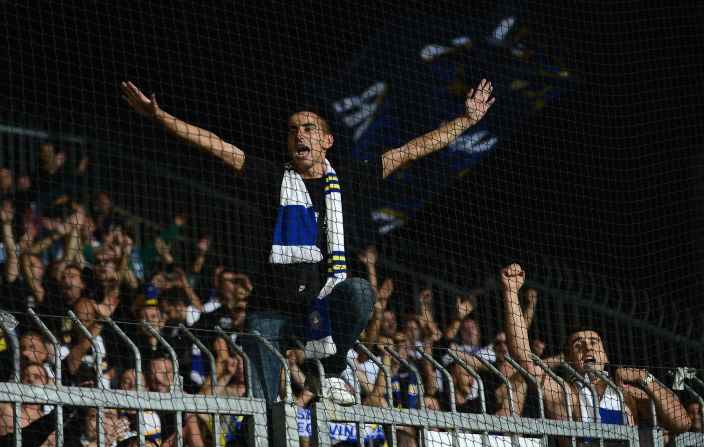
<point>302,152</point>
<point>589,360</point>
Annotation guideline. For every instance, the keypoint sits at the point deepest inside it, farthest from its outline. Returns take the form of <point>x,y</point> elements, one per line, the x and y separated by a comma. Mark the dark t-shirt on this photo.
<point>291,288</point>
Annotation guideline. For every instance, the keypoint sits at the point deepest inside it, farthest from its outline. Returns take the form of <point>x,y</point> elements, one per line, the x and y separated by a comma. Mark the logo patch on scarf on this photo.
<point>315,319</point>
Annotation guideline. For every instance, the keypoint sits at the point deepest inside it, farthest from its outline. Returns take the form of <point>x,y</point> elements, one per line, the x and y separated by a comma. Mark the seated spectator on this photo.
<point>80,362</point>
<point>34,350</point>
<point>34,375</point>
<point>585,350</point>
<point>83,430</point>
<point>152,423</point>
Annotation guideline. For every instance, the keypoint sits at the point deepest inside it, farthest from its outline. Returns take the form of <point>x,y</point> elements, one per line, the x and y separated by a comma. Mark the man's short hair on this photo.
<point>574,330</point>
<point>302,108</point>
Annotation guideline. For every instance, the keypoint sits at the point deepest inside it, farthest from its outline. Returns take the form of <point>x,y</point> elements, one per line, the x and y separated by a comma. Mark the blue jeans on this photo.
<point>351,304</point>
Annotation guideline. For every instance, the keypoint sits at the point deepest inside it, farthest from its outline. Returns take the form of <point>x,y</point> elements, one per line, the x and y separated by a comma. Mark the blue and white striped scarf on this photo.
<point>294,241</point>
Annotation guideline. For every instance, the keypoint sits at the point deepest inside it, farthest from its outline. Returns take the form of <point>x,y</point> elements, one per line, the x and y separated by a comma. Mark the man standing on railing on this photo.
<point>302,267</point>
<point>585,353</point>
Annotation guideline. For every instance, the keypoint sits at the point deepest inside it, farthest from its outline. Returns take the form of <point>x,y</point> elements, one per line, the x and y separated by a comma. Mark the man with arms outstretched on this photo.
<point>302,231</point>
<point>585,351</point>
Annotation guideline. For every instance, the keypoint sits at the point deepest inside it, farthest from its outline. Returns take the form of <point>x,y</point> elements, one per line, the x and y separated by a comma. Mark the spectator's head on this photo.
<point>403,345</point>
<point>33,349</point>
<point>5,180</point>
<point>233,288</point>
<point>585,348</point>
<point>72,284</point>
<point>160,374</point>
<point>105,265</point>
<point>388,324</point>
<point>694,411</point>
<point>174,304</point>
<point>239,314</point>
<point>469,333</point>
<point>500,346</point>
<point>34,375</point>
<point>150,312</point>
<point>111,232</point>
<point>102,203</point>
<point>128,381</point>
<point>86,311</point>
<point>51,158</point>
<point>411,327</point>
<point>309,138</point>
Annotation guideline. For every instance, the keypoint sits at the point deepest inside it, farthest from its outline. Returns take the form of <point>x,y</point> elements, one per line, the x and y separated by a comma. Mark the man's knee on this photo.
<point>362,293</point>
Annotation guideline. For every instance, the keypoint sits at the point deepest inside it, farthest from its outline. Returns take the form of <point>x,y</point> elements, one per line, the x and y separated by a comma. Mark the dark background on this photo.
<point>609,178</point>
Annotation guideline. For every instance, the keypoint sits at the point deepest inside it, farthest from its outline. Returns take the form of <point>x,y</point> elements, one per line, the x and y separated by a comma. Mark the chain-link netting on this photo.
<point>297,223</point>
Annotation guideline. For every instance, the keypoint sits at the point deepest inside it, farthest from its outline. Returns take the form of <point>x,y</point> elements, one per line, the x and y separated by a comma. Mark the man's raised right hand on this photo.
<point>133,96</point>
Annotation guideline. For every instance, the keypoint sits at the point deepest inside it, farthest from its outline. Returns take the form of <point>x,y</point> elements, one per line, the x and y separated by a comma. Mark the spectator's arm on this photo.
<point>202,246</point>
<point>430,384</point>
<point>377,396</point>
<point>75,355</point>
<point>463,307</point>
<point>368,259</point>
<point>531,304</point>
<point>476,105</point>
<point>425,315</point>
<point>34,284</point>
<point>12,264</point>
<point>202,139</point>
<point>671,414</point>
<point>512,279</point>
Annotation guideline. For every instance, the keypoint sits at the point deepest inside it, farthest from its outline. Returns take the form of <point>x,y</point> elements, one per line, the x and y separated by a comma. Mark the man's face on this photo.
<point>307,140</point>
<point>586,348</point>
<point>239,314</point>
<point>32,350</point>
<point>230,290</point>
<point>34,375</point>
<point>128,381</point>
<point>388,324</point>
<point>412,330</point>
<point>161,375</point>
<point>105,267</point>
<point>72,284</point>
<point>103,204</point>
<point>469,333</point>
<point>154,317</point>
<point>500,346</point>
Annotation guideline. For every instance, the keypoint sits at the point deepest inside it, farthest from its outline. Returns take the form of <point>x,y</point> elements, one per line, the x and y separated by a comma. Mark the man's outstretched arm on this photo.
<point>476,105</point>
<point>203,139</point>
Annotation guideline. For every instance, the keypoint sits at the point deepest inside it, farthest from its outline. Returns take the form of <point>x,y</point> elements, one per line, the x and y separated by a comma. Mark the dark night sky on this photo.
<point>610,179</point>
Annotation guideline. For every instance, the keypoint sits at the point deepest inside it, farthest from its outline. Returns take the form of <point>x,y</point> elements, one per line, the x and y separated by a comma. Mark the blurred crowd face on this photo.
<point>585,348</point>
<point>33,350</point>
<point>154,317</point>
<point>388,324</point>
<point>500,346</point>
<point>231,289</point>
<point>72,284</point>
<point>412,330</point>
<point>469,333</point>
<point>128,381</point>
<point>105,267</point>
<point>160,375</point>
<point>103,203</point>
<point>239,314</point>
<point>34,375</point>
<point>404,346</point>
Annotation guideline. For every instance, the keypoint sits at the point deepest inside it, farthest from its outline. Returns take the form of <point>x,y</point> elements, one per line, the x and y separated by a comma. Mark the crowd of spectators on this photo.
<point>60,255</point>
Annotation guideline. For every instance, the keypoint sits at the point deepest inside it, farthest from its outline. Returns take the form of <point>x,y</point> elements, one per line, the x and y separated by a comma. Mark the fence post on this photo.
<point>57,372</point>
<point>284,418</point>
<point>138,374</point>
<point>389,392</point>
<point>8,323</point>
<point>100,427</point>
